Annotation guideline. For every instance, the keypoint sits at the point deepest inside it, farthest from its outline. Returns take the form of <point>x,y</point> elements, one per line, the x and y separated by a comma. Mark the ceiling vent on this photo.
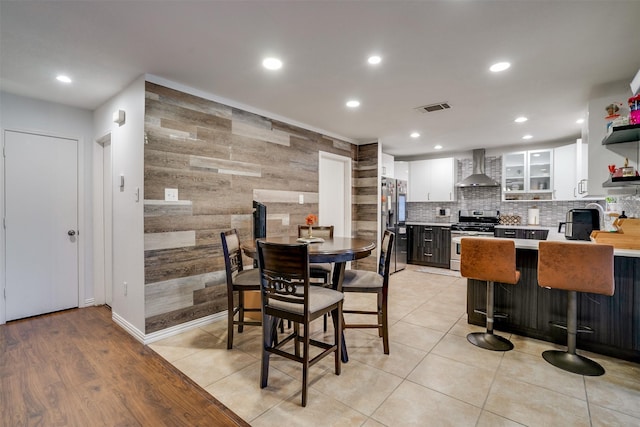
<point>434,107</point>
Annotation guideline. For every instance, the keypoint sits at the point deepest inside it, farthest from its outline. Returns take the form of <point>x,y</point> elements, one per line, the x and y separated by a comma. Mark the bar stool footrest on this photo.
<point>573,363</point>
<point>495,315</point>
<point>489,341</point>
<point>580,329</point>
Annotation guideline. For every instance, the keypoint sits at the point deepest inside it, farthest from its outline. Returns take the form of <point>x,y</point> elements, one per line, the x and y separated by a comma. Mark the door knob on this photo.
<point>71,232</point>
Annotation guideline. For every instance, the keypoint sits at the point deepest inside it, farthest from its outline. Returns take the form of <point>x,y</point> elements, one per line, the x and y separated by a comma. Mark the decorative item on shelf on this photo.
<point>634,110</point>
<point>612,114</point>
<point>311,219</point>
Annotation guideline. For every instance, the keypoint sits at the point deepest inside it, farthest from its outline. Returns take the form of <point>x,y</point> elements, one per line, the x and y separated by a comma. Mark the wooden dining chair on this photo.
<point>373,282</point>
<point>239,281</point>
<point>287,295</point>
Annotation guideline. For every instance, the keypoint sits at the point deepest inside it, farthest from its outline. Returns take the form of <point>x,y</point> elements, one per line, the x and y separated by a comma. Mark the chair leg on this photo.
<point>569,360</point>
<point>240,311</point>
<point>269,326</point>
<point>385,326</point>
<point>337,334</point>
<point>380,314</point>
<point>488,340</point>
<point>230,314</point>
<point>296,341</point>
<point>305,366</point>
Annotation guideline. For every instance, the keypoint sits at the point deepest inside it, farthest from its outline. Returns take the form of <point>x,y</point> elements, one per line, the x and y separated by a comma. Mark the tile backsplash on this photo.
<point>490,198</point>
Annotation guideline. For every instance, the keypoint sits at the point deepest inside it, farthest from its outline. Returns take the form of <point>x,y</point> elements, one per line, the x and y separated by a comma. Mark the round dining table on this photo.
<point>336,250</point>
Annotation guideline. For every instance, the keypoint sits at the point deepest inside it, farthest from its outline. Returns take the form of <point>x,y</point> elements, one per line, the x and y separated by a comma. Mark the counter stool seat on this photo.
<point>575,267</point>
<point>490,260</point>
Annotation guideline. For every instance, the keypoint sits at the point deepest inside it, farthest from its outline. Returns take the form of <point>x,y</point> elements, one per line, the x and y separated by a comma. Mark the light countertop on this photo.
<point>558,237</point>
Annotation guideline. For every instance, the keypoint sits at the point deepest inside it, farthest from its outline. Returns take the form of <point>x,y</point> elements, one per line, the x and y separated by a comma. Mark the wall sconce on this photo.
<point>118,117</point>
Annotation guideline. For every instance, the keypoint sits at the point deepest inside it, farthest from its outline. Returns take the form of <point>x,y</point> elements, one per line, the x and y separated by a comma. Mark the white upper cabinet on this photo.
<point>527,172</point>
<point>387,166</point>
<point>432,180</point>
<point>401,170</point>
<point>570,163</point>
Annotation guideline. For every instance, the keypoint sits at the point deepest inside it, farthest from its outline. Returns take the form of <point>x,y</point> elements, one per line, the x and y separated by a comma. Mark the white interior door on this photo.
<point>41,214</point>
<point>335,193</point>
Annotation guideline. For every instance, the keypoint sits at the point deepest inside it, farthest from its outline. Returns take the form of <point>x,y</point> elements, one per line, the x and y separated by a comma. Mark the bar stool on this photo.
<point>575,267</point>
<point>490,260</point>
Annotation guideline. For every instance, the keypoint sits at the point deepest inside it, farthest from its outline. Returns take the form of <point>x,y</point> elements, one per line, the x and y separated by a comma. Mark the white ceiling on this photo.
<point>432,51</point>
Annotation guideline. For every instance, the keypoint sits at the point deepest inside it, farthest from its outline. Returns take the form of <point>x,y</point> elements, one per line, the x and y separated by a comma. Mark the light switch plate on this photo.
<point>171,194</point>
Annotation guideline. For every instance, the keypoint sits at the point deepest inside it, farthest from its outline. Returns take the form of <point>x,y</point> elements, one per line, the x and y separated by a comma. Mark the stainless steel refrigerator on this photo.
<point>394,214</point>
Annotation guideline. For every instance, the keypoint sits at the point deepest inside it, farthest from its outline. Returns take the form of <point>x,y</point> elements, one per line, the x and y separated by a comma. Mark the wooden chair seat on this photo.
<point>247,278</point>
<point>362,279</point>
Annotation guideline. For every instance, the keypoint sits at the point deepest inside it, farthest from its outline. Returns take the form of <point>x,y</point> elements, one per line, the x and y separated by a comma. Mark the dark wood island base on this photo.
<point>530,309</point>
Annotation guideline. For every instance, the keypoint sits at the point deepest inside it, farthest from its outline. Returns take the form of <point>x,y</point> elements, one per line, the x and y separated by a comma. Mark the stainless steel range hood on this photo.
<point>478,178</point>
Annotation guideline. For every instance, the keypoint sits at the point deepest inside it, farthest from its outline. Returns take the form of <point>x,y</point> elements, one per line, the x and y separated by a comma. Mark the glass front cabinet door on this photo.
<point>514,172</point>
<point>527,172</point>
<point>540,168</point>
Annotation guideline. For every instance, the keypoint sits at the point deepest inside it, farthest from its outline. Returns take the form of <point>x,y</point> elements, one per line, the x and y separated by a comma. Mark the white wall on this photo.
<point>127,147</point>
<point>28,114</point>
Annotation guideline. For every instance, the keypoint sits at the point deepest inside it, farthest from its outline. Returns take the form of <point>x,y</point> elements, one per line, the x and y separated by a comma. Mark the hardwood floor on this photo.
<point>78,368</point>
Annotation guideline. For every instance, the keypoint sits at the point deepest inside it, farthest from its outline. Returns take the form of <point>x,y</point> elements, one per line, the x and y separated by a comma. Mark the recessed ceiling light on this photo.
<point>580,121</point>
<point>353,103</point>
<point>414,135</point>
<point>500,66</point>
<point>63,79</point>
<point>374,60</point>
<point>527,137</point>
<point>272,63</point>
<point>438,147</point>
<point>521,119</point>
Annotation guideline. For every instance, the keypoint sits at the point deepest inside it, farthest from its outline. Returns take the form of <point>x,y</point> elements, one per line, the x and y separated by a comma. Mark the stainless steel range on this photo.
<point>471,223</point>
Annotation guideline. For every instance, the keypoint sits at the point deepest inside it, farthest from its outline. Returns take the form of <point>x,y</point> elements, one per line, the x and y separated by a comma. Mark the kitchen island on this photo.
<point>615,320</point>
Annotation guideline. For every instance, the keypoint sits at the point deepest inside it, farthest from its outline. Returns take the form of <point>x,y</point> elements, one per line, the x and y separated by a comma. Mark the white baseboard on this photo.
<point>89,302</point>
<point>178,329</point>
<point>132,330</point>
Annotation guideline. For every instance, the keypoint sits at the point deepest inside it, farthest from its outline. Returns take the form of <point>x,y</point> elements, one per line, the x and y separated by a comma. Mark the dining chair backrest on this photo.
<point>325,231</point>
<point>386,250</point>
<point>284,276</point>
<point>232,252</point>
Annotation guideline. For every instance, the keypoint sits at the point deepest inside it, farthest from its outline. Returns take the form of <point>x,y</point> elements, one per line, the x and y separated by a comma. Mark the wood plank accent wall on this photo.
<point>220,159</point>
<point>365,200</point>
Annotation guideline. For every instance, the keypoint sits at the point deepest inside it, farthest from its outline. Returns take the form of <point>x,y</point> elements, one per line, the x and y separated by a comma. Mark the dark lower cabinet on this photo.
<point>521,233</point>
<point>530,309</point>
<point>429,245</point>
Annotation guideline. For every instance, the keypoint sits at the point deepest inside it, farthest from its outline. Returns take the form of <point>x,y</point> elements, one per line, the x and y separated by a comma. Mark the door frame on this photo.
<point>83,235</point>
<point>323,188</point>
<point>101,215</point>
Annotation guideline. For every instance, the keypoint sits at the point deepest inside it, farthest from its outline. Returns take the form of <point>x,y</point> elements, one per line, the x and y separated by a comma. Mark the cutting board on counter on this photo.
<point>627,236</point>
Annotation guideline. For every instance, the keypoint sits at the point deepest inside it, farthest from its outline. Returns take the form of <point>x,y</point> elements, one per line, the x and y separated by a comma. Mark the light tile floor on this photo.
<point>432,375</point>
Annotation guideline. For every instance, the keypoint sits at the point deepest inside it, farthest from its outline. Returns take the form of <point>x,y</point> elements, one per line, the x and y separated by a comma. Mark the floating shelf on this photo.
<point>620,134</point>
<point>631,181</point>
